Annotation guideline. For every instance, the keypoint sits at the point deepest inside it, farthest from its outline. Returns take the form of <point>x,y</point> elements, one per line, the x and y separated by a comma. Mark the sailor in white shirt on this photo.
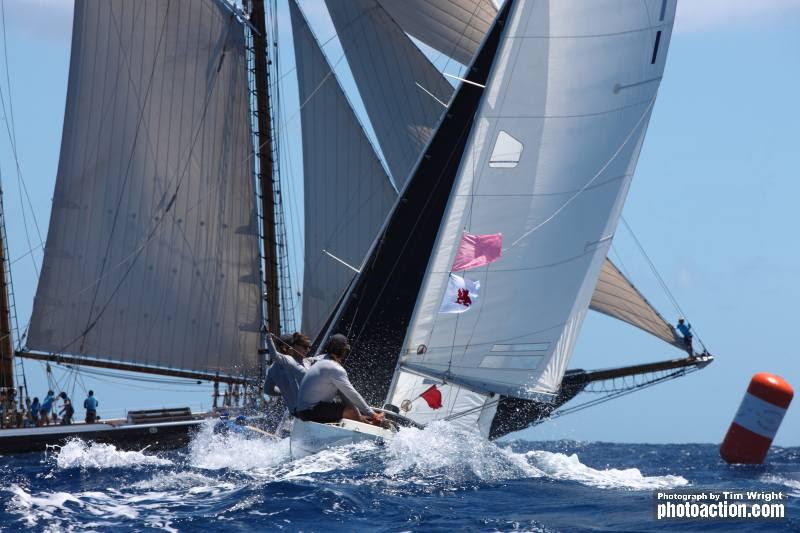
<point>326,394</point>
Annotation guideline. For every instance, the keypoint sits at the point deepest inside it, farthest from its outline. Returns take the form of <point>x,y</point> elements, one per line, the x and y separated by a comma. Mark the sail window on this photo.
<point>531,347</point>
<point>506,153</point>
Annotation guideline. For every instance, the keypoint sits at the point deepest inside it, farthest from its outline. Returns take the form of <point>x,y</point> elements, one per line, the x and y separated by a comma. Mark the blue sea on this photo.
<point>437,479</point>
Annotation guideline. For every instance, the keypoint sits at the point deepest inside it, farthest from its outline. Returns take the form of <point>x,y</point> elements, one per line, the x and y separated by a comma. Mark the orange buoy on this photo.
<point>757,420</point>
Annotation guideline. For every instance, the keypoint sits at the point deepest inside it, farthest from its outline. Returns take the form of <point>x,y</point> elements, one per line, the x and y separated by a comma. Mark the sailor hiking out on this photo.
<point>326,394</point>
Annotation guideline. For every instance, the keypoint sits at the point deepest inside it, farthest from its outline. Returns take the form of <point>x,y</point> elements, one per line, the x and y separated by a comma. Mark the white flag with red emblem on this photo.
<point>460,294</point>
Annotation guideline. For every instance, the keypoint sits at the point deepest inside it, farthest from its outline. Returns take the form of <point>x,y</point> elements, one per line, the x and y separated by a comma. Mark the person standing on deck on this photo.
<point>66,410</point>
<point>686,331</point>
<point>47,406</point>
<point>326,394</point>
<point>34,409</point>
<point>90,404</point>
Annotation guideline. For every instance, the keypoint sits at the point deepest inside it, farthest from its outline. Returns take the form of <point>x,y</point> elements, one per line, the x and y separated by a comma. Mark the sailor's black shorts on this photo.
<point>323,412</point>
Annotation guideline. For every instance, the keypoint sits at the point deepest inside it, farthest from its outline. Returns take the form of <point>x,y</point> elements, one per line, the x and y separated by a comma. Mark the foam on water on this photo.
<point>249,454</point>
<point>569,468</point>
<point>222,474</point>
<point>77,453</point>
<point>443,451</point>
<point>792,484</point>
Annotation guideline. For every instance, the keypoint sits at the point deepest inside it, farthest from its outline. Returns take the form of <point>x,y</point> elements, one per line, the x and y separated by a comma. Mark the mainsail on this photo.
<point>152,255</point>
<point>347,191</point>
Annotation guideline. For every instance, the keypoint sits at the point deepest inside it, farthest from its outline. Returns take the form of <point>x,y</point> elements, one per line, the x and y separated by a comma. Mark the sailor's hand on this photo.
<point>377,418</point>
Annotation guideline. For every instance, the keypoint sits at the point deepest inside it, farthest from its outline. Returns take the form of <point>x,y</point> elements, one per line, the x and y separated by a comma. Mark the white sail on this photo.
<point>152,251</point>
<point>347,191</point>
<point>548,165</point>
<point>403,93</point>
<point>617,297</point>
<point>453,27</point>
<point>392,76</point>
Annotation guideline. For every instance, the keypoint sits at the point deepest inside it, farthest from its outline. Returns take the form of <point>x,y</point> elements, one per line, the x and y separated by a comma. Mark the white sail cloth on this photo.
<point>453,27</point>
<point>347,191</point>
<point>574,85</point>
<point>152,251</point>
<point>390,73</point>
<point>397,83</point>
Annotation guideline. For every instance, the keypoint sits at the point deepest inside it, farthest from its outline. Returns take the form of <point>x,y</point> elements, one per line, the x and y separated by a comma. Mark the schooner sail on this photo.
<point>152,256</point>
<point>347,190</point>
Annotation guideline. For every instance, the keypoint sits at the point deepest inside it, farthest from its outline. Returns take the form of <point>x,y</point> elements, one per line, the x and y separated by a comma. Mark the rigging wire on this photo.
<point>660,279</point>
<point>12,137</point>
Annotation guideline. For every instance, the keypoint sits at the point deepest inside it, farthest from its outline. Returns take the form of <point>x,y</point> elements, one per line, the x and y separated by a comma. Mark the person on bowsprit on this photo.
<point>283,376</point>
<point>686,330</point>
<point>326,394</point>
<point>90,404</point>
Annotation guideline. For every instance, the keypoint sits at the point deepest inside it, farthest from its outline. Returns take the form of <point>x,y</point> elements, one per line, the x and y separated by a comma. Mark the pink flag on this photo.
<point>477,250</point>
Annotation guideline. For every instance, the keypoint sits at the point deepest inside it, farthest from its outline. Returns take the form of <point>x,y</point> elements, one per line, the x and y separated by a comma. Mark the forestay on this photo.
<point>347,190</point>
<point>152,252</point>
<point>565,113</point>
<point>403,93</point>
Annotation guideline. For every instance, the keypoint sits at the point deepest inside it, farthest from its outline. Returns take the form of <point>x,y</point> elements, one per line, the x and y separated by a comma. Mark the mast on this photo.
<point>264,152</point>
<point>6,346</point>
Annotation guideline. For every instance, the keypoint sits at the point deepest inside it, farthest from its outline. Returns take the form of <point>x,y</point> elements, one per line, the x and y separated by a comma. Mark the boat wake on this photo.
<point>225,475</point>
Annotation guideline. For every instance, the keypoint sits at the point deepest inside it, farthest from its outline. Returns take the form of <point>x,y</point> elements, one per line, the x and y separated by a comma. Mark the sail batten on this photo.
<point>152,254</point>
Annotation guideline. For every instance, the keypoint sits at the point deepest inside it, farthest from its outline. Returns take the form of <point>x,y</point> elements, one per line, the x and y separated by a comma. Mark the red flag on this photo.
<point>477,250</point>
<point>433,397</point>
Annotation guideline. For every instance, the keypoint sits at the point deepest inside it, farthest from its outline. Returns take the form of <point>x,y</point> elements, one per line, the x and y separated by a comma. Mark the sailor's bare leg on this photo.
<point>351,413</point>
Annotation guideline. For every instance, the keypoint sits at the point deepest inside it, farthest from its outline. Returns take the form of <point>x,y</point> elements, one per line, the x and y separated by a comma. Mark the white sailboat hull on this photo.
<point>311,437</point>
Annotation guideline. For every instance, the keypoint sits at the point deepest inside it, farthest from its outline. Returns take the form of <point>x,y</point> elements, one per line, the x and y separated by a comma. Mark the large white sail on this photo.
<point>453,27</point>
<point>548,165</point>
<point>347,191</point>
<point>403,93</point>
<point>393,76</point>
<point>152,250</point>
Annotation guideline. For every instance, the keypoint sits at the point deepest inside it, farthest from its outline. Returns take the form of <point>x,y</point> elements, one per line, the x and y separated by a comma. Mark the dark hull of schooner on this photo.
<point>124,436</point>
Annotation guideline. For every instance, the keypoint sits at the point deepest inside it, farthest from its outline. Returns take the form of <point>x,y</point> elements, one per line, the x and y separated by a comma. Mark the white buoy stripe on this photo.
<point>759,416</point>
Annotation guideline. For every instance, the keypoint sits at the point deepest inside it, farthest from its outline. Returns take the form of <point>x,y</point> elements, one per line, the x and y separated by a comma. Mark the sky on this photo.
<point>714,203</point>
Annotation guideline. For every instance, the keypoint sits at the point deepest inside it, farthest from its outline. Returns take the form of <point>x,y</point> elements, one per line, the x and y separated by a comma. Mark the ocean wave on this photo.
<point>77,453</point>
<point>569,468</point>
<point>793,484</point>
